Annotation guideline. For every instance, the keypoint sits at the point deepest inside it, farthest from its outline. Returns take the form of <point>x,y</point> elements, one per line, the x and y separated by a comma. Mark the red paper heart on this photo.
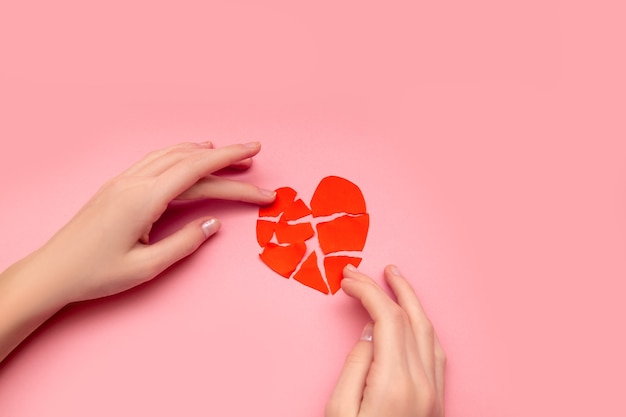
<point>340,218</point>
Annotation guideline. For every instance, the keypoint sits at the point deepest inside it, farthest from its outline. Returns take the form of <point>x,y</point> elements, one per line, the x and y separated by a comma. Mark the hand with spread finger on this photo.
<point>105,248</point>
<point>397,368</point>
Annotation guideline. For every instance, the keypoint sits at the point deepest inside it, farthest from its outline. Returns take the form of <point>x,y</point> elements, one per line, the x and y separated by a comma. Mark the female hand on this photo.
<point>397,368</point>
<point>104,249</point>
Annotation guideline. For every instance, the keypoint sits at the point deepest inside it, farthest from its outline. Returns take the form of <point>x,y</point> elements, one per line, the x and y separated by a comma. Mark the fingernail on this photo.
<point>351,268</point>
<point>267,193</point>
<point>207,144</point>
<point>252,144</point>
<point>394,270</point>
<point>210,226</point>
<point>368,332</point>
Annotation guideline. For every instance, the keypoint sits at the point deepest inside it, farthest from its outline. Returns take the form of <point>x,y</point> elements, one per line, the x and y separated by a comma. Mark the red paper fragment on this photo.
<point>284,198</point>
<point>264,232</point>
<point>289,233</point>
<point>337,195</point>
<point>296,211</point>
<point>310,275</point>
<point>334,265</point>
<point>283,259</point>
<point>345,233</point>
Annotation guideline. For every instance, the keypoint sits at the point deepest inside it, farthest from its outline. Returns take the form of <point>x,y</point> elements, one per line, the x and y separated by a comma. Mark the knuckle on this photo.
<point>356,360</point>
<point>115,185</point>
<point>440,354</point>
<point>120,181</point>
<point>115,181</point>
<point>179,147</point>
<point>427,327</point>
<point>397,315</point>
<point>179,152</point>
<point>154,154</point>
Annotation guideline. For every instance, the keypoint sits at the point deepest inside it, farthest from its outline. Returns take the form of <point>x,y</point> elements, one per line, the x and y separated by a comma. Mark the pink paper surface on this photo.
<point>488,138</point>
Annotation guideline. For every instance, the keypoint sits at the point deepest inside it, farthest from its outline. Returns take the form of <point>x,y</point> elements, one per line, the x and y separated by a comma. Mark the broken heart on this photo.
<point>339,216</point>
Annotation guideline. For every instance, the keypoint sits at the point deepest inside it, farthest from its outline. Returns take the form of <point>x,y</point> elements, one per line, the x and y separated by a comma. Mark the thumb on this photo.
<point>182,243</point>
<point>345,401</point>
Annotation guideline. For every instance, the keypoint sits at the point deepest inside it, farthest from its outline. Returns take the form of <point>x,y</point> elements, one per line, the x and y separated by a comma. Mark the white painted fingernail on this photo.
<point>210,226</point>
<point>267,193</point>
<point>368,332</point>
<point>394,270</point>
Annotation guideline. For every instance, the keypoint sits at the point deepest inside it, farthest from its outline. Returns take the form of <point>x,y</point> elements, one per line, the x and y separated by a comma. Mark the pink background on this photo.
<point>488,137</point>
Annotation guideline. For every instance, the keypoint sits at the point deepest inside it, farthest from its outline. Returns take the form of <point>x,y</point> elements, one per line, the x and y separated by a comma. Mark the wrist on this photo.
<point>28,298</point>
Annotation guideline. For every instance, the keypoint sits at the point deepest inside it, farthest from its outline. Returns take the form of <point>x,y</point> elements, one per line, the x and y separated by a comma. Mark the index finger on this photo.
<point>389,319</point>
<point>184,174</point>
